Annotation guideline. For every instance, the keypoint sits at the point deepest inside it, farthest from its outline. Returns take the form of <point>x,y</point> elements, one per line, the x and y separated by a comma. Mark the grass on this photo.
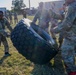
<point>15,64</point>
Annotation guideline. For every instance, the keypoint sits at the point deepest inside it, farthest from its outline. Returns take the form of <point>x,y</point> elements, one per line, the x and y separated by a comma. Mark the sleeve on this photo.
<point>54,15</point>
<point>68,20</point>
<point>36,17</point>
<point>8,25</point>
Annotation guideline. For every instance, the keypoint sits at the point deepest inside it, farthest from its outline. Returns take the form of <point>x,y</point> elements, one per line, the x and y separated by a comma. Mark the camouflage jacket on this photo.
<point>43,17</point>
<point>3,24</point>
<point>68,25</point>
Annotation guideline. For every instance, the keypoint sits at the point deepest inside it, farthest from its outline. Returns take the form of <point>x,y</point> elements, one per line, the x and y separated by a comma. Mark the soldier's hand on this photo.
<point>54,30</point>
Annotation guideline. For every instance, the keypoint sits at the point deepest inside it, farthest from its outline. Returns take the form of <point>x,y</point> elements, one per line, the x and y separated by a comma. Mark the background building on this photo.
<point>54,5</point>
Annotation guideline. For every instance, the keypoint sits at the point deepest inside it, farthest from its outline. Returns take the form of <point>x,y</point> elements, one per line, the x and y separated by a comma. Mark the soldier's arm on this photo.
<point>8,25</point>
<point>54,15</point>
<point>36,17</point>
<point>68,20</point>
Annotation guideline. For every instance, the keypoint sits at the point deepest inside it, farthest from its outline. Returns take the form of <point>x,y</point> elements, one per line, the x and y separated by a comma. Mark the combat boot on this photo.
<point>7,54</point>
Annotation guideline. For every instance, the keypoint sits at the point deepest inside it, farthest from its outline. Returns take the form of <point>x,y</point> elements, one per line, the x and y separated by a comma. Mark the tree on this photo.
<point>17,5</point>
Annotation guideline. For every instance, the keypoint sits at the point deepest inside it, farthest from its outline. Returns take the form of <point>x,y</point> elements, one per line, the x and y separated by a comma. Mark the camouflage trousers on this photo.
<point>5,43</point>
<point>68,55</point>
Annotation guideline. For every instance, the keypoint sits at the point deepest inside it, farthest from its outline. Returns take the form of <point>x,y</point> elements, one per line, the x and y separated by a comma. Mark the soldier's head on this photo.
<point>1,14</point>
<point>69,1</point>
<point>41,5</point>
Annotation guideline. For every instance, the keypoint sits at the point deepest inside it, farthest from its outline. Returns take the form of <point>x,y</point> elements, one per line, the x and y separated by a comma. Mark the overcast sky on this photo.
<point>8,3</point>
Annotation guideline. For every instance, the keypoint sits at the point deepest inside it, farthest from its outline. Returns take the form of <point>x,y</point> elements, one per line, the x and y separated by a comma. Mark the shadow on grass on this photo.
<point>3,58</point>
<point>57,68</point>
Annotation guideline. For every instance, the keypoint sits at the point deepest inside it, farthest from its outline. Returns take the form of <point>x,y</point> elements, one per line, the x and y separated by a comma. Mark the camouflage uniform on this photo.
<point>43,17</point>
<point>61,36</point>
<point>3,33</point>
<point>68,27</point>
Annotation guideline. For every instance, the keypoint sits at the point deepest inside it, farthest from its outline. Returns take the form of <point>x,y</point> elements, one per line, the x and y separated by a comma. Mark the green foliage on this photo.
<point>18,5</point>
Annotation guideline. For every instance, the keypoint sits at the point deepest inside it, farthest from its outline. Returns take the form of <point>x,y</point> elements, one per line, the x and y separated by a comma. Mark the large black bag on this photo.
<point>33,42</point>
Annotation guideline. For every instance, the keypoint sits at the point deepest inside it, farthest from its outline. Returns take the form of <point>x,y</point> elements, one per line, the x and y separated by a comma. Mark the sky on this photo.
<point>8,3</point>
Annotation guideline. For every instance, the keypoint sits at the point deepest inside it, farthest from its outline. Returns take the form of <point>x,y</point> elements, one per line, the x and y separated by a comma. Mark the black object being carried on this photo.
<point>32,42</point>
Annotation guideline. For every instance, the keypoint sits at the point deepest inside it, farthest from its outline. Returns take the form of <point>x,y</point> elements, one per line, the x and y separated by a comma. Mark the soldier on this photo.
<point>10,17</point>
<point>43,16</point>
<point>6,14</point>
<point>15,18</point>
<point>3,33</point>
<point>61,36</point>
<point>68,27</point>
<point>24,13</point>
